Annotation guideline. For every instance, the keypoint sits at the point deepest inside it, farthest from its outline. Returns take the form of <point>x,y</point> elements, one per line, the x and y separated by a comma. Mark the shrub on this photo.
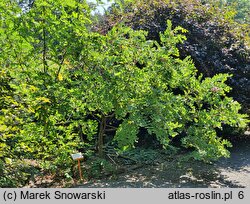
<point>68,84</point>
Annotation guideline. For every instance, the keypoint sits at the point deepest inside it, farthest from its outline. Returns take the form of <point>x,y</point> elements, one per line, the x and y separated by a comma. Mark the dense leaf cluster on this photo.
<point>63,86</point>
<point>215,41</point>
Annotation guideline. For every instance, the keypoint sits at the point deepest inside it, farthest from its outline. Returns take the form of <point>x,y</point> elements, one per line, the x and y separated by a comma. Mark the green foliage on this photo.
<point>61,82</point>
<point>213,33</point>
<point>98,168</point>
<point>15,173</point>
<point>36,111</point>
<point>241,7</point>
<point>145,85</point>
<point>143,156</point>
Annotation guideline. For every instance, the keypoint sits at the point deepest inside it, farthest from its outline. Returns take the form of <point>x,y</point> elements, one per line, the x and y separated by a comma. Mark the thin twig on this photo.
<point>111,159</point>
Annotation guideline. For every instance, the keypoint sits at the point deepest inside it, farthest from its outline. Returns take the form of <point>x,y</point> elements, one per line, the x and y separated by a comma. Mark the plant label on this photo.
<point>77,156</point>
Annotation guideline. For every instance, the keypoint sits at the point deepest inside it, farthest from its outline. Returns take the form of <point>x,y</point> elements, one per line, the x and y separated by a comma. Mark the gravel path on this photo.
<point>236,169</point>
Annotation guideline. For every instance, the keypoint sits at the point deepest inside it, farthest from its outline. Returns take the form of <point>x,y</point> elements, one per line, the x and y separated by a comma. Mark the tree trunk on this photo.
<point>101,135</point>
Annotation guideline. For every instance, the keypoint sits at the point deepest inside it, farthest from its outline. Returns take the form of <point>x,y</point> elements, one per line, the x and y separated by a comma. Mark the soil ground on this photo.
<point>230,172</point>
